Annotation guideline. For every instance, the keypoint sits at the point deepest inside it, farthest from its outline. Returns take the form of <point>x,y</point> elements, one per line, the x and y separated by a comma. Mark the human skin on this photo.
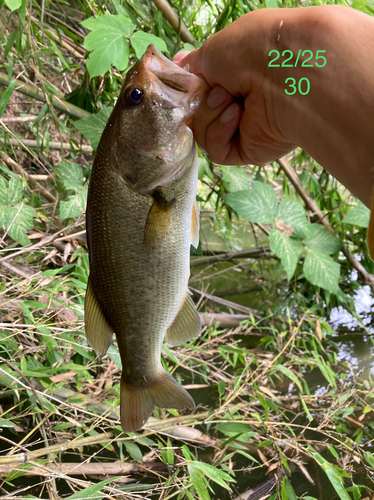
<point>249,119</point>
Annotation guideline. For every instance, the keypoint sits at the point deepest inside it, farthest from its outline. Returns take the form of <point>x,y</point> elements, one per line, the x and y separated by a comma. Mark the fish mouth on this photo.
<point>185,88</point>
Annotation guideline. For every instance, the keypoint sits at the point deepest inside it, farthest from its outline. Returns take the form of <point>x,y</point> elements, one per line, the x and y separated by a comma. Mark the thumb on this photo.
<point>190,59</point>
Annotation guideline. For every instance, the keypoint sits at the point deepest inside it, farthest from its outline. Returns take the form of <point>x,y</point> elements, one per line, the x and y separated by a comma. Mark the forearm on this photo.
<point>334,121</point>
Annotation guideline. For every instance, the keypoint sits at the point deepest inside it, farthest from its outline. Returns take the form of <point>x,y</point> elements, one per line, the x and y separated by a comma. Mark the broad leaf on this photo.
<point>116,23</point>
<point>15,191</point>
<point>359,216</point>
<point>76,204</point>
<point>140,41</point>
<point>236,178</point>
<point>13,4</point>
<point>321,270</point>
<point>69,175</point>
<point>292,213</point>
<point>257,205</point>
<point>322,240</point>
<point>333,475</point>
<point>93,126</point>
<point>17,220</point>
<point>108,42</point>
<point>287,249</point>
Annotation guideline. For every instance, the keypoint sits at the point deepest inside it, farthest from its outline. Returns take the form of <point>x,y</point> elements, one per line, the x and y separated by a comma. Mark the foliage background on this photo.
<point>281,414</point>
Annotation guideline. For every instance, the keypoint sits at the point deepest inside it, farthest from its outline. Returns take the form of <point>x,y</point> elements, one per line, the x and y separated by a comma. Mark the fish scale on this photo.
<point>141,211</point>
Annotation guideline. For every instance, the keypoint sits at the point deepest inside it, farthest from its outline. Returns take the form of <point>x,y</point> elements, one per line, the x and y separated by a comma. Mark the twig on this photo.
<point>19,119</point>
<point>313,207</point>
<point>173,19</point>
<point>82,469</point>
<point>58,103</point>
<point>242,254</point>
<point>228,303</point>
<point>32,143</point>
<point>226,321</point>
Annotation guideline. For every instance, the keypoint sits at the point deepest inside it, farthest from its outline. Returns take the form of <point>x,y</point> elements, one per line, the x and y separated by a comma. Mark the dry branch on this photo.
<point>226,321</point>
<point>313,207</point>
<point>227,303</point>
<point>85,469</point>
<point>174,20</point>
<point>242,254</point>
<point>32,143</point>
<point>35,93</point>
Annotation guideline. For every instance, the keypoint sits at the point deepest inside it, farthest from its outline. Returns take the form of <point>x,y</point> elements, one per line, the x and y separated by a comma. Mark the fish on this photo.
<point>141,219</point>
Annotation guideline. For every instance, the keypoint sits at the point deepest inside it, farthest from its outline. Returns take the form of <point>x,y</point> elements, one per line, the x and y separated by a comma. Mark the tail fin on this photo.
<point>137,402</point>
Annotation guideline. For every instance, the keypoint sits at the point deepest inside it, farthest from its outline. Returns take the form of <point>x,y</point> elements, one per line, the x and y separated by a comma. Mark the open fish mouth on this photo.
<point>186,88</point>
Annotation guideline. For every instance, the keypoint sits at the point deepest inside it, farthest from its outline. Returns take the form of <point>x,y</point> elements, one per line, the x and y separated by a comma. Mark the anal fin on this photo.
<point>158,220</point>
<point>195,225</point>
<point>99,333</point>
<point>186,325</point>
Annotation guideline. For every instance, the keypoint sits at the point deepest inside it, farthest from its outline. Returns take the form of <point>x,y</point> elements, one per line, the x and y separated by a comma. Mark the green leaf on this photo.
<point>13,4</point>
<point>322,240</point>
<point>321,270</point>
<point>140,41</point>
<point>110,49</point>
<point>6,423</point>
<point>333,475</point>
<point>369,457</point>
<point>257,205</point>
<point>288,492</point>
<point>133,450</point>
<point>359,216</point>
<point>236,178</point>
<point>216,475</point>
<point>3,190</point>
<point>15,191</point>
<point>17,220</point>
<point>197,479</point>
<point>108,42</point>
<point>76,204</point>
<point>6,97</point>
<point>92,492</point>
<point>69,175</point>
<point>287,249</point>
<point>293,214</point>
<point>117,23</point>
<point>93,126</point>
<point>290,375</point>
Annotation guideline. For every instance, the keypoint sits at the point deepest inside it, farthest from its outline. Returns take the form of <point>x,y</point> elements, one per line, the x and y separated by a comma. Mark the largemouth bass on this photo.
<point>141,219</point>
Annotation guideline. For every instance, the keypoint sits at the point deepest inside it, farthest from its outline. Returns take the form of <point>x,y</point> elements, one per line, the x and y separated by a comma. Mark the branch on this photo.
<point>313,207</point>
<point>174,20</point>
<point>32,143</point>
<point>242,254</point>
<point>226,321</point>
<point>58,103</point>
<point>228,303</point>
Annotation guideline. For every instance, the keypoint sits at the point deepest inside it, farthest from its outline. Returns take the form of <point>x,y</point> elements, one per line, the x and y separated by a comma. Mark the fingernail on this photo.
<point>229,114</point>
<point>217,97</point>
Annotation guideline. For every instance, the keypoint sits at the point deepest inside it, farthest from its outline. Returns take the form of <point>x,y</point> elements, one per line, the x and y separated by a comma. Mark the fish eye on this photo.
<point>134,96</point>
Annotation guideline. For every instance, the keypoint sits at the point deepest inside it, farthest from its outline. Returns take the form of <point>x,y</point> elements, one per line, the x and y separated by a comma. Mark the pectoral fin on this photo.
<point>158,220</point>
<point>186,325</point>
<point>195,225</point>
<point>371,230</point>
<point>99,333</point>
